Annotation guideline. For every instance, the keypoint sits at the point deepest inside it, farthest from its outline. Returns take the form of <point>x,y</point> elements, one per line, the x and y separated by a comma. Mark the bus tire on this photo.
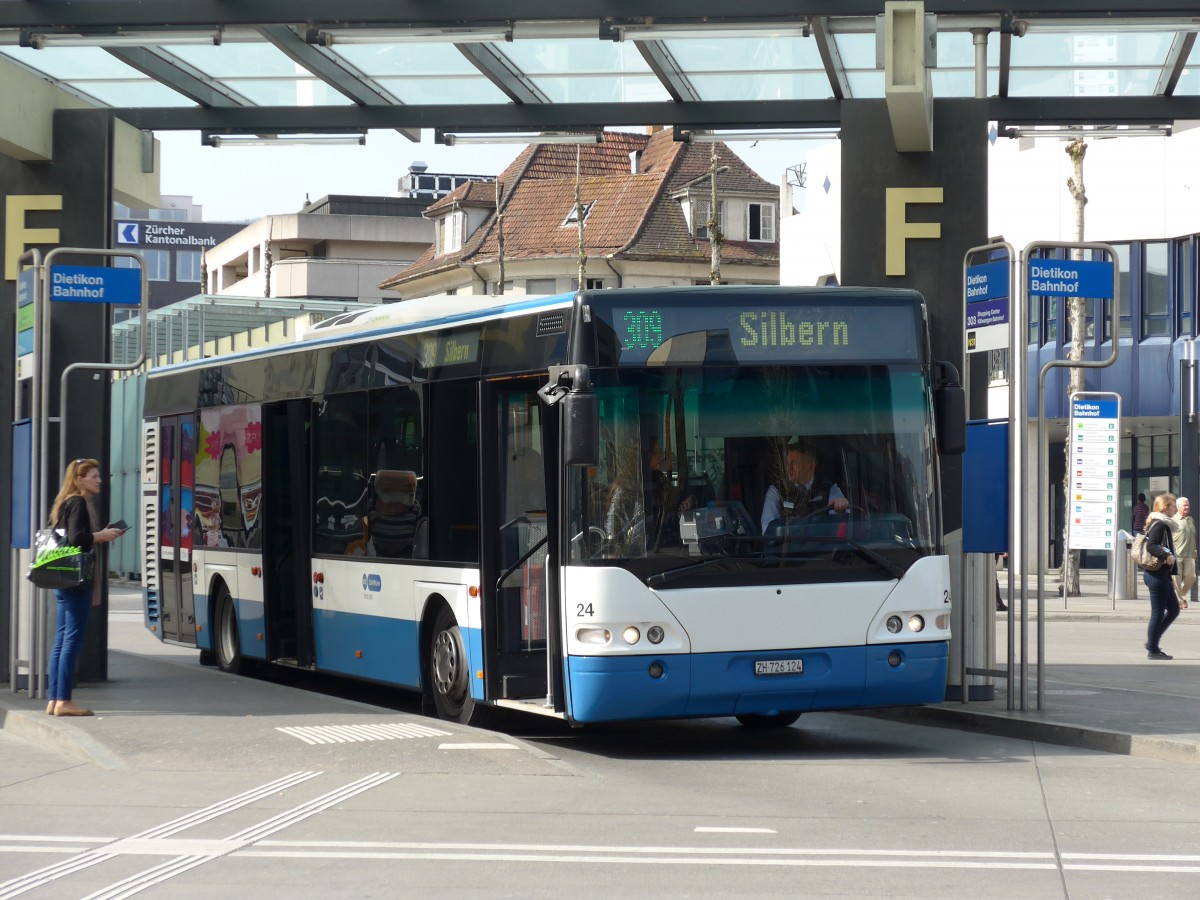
<point>208,658</point>
<point>228,647</point>
<point>776,720</point>
<point>450,673</point>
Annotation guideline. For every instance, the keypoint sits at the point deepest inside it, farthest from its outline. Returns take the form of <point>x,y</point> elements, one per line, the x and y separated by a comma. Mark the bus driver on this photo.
<point>799,493</point>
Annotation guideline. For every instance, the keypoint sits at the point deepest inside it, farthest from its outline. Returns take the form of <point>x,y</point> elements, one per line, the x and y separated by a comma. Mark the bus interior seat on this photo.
<point>421,539</point>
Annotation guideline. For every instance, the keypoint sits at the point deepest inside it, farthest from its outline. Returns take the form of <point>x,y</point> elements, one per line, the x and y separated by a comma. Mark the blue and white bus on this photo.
<point>563,504</point>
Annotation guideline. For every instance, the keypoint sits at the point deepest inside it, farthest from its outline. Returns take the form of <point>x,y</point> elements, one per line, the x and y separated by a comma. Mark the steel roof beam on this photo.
<point>487,117</point>
<point>663,65</point>
<point>333,71</point>
<point>134,14</point>
<point>496,67</point>
<point>831,58</point>
<point>174,73</point>
<point>774,114</point>
<point>1175,63</point>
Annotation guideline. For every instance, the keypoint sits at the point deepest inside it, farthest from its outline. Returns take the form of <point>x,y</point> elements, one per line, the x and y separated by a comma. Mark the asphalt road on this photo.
<point>837,805</point>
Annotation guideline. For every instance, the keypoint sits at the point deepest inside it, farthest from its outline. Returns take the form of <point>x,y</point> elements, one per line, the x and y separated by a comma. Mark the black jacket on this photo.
<point>1160,544</point>
<point>75,520</point>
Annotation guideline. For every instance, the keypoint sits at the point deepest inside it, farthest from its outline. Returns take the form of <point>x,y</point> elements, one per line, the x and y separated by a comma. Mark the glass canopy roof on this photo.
<point>299,73</point>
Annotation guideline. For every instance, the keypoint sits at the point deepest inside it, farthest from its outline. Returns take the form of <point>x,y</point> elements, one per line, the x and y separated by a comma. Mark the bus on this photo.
<point>564,504</point>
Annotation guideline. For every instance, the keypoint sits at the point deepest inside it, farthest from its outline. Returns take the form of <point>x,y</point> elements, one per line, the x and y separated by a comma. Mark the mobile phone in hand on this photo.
<point>120,525</point>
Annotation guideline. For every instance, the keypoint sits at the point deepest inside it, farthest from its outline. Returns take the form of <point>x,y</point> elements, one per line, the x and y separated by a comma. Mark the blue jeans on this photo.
<point>1164,606</point>
<point>73,604</point>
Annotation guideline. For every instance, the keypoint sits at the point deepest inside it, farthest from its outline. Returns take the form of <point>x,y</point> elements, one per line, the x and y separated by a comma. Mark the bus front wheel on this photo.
<point>776,720</point>
<point>228,643</point>
<point>450,675</point>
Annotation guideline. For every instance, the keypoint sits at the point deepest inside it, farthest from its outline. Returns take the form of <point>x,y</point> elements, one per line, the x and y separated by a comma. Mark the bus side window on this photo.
<point>453,480</point>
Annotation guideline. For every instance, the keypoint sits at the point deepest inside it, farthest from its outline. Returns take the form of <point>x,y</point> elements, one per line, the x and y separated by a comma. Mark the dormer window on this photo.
<point>573,215</point>
<point>449,232</point>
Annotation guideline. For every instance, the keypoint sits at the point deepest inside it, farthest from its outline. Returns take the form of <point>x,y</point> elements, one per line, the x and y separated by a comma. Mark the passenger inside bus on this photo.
<point>394,515</point>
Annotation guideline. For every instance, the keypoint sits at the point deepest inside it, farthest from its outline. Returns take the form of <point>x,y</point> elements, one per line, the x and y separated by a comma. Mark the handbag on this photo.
<point>1143,557</point>
<point>57,564</point>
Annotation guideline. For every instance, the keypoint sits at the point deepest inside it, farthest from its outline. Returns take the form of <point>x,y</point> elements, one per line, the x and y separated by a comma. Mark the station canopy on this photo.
<point>281,69</point>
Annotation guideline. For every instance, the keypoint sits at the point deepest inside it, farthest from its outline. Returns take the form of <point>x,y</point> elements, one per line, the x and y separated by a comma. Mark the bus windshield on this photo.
<point>758,474</point>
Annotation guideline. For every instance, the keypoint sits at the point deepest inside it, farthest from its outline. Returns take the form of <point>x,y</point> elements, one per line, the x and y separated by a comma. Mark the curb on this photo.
<point>1003,725</point>
<point>60,736</point>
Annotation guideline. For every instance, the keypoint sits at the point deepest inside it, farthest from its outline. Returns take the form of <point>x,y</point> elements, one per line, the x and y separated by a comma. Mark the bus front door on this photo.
<point>517,562</point>
<point>176,501</point>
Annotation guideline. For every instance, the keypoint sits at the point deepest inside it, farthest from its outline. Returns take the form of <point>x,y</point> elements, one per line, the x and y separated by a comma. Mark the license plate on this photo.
<point>778,666</point>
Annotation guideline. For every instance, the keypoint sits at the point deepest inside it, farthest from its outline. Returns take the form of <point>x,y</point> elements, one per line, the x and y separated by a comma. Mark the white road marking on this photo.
<point>345,734</point>
<point>713,829</point>
<point>17,886</point>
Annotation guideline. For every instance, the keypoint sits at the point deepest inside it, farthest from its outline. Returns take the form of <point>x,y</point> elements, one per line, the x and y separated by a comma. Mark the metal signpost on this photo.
<point>991,321</point>
<point>1051,277</point>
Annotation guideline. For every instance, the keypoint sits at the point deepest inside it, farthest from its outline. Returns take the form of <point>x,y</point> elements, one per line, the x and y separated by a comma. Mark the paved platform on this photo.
<point>1098,691</point>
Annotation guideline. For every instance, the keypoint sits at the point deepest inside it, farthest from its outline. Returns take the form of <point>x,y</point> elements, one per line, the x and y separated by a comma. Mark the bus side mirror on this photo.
<point>949,410</point>
<point>581,429</point>
<point>571,386</point>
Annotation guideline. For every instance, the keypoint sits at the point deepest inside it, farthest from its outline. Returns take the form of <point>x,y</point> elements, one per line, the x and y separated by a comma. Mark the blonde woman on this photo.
<point>1164,608</point>
<point>74,512</point>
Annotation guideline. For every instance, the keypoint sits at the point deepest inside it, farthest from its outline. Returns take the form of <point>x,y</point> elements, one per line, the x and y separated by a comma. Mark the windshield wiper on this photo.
<point>663,577</point>
<point>888,565</point>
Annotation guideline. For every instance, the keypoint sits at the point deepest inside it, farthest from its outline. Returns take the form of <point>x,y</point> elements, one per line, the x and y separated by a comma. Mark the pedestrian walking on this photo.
<point>1185,551</point>
<point>1164,607</point>
<point>1140,512</point>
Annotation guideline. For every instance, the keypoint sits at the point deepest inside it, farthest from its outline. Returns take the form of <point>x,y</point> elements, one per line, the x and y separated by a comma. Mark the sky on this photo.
<point>236,184</point>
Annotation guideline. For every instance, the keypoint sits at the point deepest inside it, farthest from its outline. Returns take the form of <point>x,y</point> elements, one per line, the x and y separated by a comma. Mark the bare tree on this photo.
<point>1077,322</point>
<point>715,237</point>
<point>499,238</point>
<point>579,222</point>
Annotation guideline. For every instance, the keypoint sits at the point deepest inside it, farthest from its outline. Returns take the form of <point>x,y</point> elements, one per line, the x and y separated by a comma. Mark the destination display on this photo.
<point>688,335</point>
<point>449,348</point>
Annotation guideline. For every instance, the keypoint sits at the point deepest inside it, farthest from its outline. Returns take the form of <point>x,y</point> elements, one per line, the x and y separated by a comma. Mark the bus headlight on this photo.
<point>915,623</point>
<point>631,635</point>
<point>655,634</point>
<point>894,624</point>
<point>593,635</point>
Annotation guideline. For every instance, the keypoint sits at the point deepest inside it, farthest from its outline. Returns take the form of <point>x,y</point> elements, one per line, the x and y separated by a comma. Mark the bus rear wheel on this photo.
<point>449,674</point>
<point>776,720</point>
<point>228,643</point>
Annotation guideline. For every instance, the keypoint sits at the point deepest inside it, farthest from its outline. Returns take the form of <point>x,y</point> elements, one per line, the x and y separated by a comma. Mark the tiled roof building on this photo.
<point>646,201</point>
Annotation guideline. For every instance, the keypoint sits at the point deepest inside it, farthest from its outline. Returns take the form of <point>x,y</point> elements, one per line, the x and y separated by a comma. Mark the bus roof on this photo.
<point>421,314</point>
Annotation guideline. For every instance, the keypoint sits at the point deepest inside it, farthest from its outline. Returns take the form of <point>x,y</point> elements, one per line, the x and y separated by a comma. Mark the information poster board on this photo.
<point>1095,471</point>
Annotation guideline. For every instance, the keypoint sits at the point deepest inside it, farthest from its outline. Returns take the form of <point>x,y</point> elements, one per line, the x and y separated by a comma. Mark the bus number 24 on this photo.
<point>584,609</point>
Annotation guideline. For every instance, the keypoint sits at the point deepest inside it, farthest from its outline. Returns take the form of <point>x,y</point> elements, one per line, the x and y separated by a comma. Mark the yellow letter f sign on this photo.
<point>898,230</point>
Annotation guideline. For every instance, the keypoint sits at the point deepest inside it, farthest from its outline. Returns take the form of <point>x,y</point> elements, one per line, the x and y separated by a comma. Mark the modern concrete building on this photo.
<point>338,247</point>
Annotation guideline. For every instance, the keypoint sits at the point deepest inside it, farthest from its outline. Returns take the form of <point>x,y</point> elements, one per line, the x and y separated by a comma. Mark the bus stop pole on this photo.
<point>38,656</point>
<point>1042,451</point>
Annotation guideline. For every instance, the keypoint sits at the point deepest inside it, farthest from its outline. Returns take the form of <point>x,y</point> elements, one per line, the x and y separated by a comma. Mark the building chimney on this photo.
<point>635,162</point>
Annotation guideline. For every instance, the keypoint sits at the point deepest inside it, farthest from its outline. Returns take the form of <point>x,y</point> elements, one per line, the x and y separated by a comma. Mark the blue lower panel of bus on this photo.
<point>724,684</point>
<point>388,647</point>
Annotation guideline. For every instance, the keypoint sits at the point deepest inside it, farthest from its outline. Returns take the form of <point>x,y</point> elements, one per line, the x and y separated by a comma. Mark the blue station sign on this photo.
<point>987,306</point>
<point>1071,278</point>
<point>96,284</point>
